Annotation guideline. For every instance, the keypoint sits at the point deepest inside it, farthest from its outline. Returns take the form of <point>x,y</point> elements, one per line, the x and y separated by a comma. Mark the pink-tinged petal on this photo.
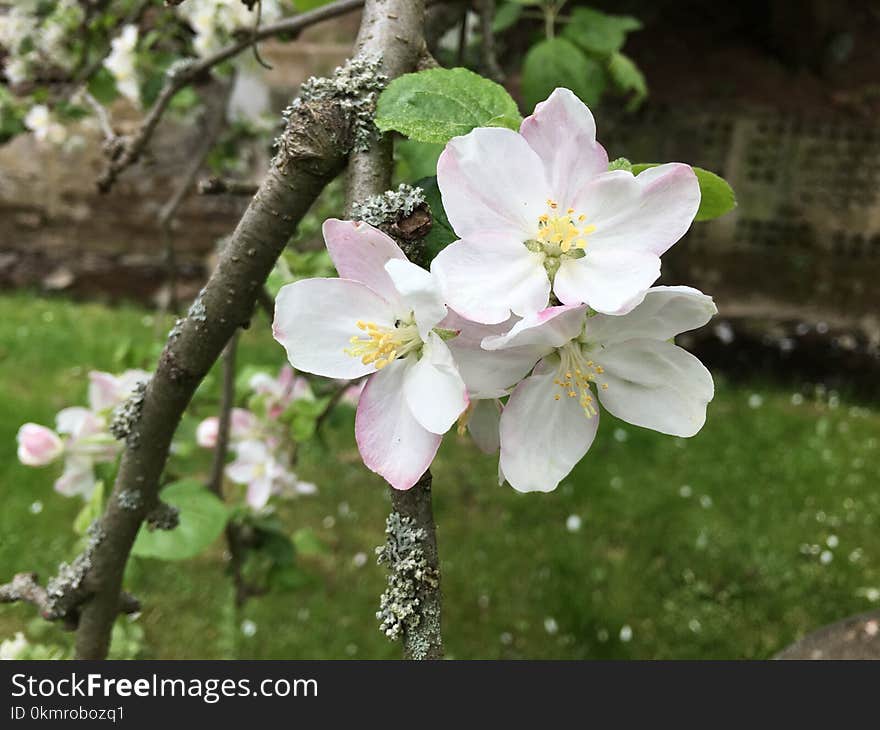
<point>315,320</point>
<point>434,391</point>
<point>485,278</point>
<point>78,422</point>
<point>648,212</point>
<point>563,133</point>
<point>419,293</point>
<point>103,390</point>
<point>286,375</point>
<point>488,373</point>
<point>38,445</point>
<point>258,492</point>
<point>611,282</point>
<point>264,384</point>
<point>491,180</point>
<point>665,312</point>
<point>542,438</point>
<point>207,432</point>
<point>241,424</point>
<point>391,441</point>
<point>484,423</point>
<point>656,385</point>
<point>544,331</point>
<point>78,478</point>
<point>130,379</point>
<point>251,459</point>
<point>360,252</point>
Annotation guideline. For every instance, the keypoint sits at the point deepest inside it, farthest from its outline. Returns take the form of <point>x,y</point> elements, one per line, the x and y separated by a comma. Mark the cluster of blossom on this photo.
<point>81,437</point>
<point>121,62</point>
<point>34,37</point>
<point>543,309</point>
<point>260,439</point>
<point>215,21</point>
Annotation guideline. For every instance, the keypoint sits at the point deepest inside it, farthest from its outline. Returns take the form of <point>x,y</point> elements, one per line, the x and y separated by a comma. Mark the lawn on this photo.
<point>730,544</point>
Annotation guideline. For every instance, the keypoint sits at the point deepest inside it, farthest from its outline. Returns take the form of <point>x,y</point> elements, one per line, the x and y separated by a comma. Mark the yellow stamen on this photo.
<point>575,376</point>
<point>380,346</point>
<point>560,230</point>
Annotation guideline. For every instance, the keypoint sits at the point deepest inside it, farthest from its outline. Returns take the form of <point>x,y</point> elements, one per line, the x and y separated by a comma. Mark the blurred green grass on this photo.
<point>731,544</point>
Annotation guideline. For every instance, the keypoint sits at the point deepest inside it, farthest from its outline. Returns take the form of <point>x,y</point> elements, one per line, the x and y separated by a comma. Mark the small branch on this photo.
<point>487,40</point>
<point>135,145</point>
<point>226,186</point>
<point>213,121</point>
<point>331,404</point>
<point>26,588</point>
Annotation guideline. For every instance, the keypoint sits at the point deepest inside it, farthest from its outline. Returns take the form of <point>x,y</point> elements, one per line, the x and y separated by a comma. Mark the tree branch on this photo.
<point>312,150</point>
<point>401,43</point>
<point>226,186</point>
<point>132,147</point>
<point>26,588</point>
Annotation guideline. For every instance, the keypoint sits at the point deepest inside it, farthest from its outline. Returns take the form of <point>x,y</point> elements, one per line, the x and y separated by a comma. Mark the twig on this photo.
<point>213,124</point>
<point>134,146</point>
<point>401,42</point>
<point>487,40</point>
<point>26,588</point>
<point>331,405</point>
<point>226,186</point>
<point>257,57</point>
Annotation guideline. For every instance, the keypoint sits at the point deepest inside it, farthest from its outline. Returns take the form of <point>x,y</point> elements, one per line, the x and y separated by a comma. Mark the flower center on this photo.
<point>381,345</point>
<point>560,235</point>
<point>575,374</point>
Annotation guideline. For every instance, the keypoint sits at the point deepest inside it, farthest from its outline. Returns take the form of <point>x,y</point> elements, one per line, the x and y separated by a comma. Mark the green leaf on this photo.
<point>558,62</point>
<point>441,234</point>
<point>506,16</point>
<point>91,511</point>
<point>202,518</point>
<point>185,99</point>
<point>416,160</point>
<point>716,195</point>
<point>438,104</point>
<point>102,86</point>
<point>628,79</point>
<point>598,33</point>
<point>621,163</point>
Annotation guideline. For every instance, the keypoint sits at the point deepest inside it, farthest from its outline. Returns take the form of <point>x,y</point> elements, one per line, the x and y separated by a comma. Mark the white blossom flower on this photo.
<point>380,319</point>
<point>539,210</point>
<point>106,390</point>
<point>264,473</point>
<point>121,63</point>
<point>551,417</point>
<point>39,121</point>
<point>243,426</point>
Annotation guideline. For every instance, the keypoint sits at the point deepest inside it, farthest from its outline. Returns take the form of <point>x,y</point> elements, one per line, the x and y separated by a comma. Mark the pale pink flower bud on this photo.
<point>206,433</point>
<point>38,445</point>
